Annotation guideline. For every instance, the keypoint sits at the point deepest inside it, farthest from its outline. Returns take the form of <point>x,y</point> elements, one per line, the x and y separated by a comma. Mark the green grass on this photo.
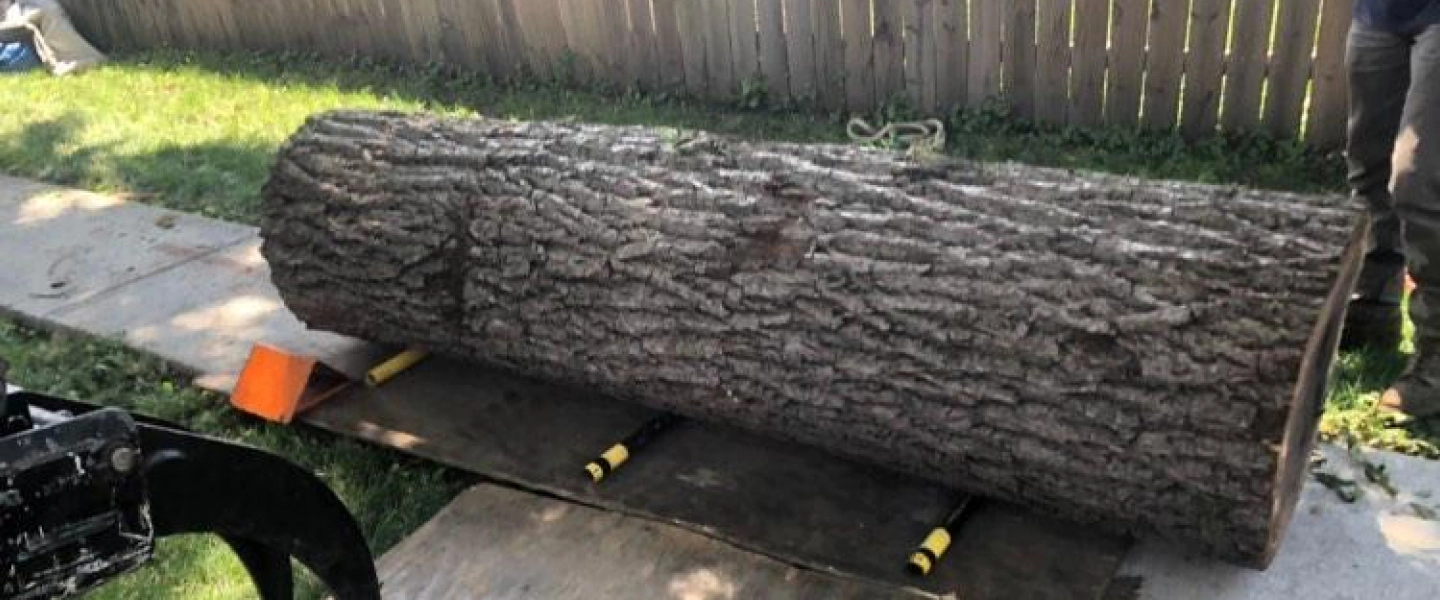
<point>390,493</point>
<point>196,132</point>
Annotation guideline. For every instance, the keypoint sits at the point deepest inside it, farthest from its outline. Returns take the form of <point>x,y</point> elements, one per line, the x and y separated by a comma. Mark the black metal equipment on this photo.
<point>85,490</point>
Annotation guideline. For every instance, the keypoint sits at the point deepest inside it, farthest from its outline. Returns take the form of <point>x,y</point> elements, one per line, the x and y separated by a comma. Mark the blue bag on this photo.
<point>18,56</point>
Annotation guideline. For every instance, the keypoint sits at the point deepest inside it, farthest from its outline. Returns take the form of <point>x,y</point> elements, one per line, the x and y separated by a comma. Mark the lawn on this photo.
<point>197,133</point>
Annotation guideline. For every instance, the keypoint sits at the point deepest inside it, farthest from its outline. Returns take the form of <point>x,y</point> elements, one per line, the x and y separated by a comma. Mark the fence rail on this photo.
<point>1197,65</point>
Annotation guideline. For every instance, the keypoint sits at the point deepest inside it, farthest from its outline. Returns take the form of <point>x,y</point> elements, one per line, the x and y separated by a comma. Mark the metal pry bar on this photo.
<point>927,555</point>
<point>618,454</point>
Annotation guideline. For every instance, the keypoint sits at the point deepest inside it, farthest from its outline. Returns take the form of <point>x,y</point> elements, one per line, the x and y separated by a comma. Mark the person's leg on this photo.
<point>1415,185</point>
<point>1379,69</point>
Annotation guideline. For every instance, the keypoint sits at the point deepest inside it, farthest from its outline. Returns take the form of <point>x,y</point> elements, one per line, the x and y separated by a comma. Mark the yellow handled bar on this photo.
<point>927,556</point>
<point>608,462</point>
<point>393,366</point>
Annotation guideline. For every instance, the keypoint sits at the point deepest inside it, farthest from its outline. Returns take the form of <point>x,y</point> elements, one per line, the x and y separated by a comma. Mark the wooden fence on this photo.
<point>1199,65</point>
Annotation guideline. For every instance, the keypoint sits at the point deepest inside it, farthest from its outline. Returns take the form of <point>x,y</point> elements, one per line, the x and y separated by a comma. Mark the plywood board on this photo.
<point>779,499</point>
<point>492,543</point>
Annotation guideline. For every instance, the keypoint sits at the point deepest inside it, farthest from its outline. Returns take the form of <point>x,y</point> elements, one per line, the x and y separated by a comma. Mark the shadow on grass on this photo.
<point>214,179</point>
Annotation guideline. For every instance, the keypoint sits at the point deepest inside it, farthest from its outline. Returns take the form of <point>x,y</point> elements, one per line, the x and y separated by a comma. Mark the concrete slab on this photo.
<point>205,313</point>
<point>1376,548</point>
<point>59,246</point>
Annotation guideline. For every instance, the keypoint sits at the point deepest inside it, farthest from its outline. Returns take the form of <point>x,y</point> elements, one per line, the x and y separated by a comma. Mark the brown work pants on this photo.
<point>1394,166</point>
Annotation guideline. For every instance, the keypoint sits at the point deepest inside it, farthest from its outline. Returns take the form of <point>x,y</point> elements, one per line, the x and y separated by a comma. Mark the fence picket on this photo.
<point>1164,64</point>
<point>670,51</point>
<point>1199,65</point>
<point>1052,61</point>
<point>719,63</point>
<point>1290,63</point>
<point>771,16</point>
<point>1087,70</point>
<point>987,23</point>
<point>859,85</point>
<point>1019,58</point>
<point>1245,71</point>
<point>1129,22</point>
<point>1209,22</point>
<point>690,22</point>
<point>640,35</point>
<point>829,53</point>
<point>952,52</point>
<point>800,50</point>
<point>889,53</point>
<point>1325,127</point>
<point>913,41</point>
<point>743,48</point>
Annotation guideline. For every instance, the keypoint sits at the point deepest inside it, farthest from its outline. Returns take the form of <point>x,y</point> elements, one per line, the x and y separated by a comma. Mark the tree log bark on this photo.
<point>1150,356</point>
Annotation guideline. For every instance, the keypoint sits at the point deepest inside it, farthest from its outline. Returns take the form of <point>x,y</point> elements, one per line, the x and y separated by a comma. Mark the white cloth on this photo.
<point>57,42</point>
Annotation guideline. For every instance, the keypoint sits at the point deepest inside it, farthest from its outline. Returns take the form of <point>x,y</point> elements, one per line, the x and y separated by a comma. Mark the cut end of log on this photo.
<point>1311,390</point>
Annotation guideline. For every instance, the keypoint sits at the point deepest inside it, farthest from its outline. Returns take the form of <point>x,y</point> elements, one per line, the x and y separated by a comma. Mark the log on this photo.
<point>1146,356</point>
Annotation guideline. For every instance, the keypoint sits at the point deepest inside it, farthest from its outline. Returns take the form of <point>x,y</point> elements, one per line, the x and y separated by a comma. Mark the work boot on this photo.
<point>1372,324</point>
<point>1417,393</point>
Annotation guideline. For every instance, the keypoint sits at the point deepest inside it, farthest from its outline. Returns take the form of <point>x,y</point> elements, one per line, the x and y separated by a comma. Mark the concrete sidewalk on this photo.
<point>196,292</point>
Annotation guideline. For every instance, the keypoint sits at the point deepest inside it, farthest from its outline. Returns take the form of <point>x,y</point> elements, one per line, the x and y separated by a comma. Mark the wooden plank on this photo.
<point>1204,66</point>
<point>859,49</point>
<point>510,38</point>
<point>1164,65</point>
<point>1329,106</point>
<point>952,49</point>
<point>889,52</point>
<point>829,53</point>
<point>719,60</point>
<point>1052,61</point>
<point>670,62</point>
<point>1129,22</point>
<point>578,61</point>
<point>916,63</point>
<point>800,50</point>
<point>621,68</point>
<point>691,27</point>
<point>1245,70</point>
<point>640,34</point>
<point>785,500</point>
<point>1290,66</point>
<point>493,543</point>
<point>771,15</point>
<point>987,22</point>
<point>743,47</point>
<point>542,33</point>
<point>1019,58</point>
<point>1087,63</point>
